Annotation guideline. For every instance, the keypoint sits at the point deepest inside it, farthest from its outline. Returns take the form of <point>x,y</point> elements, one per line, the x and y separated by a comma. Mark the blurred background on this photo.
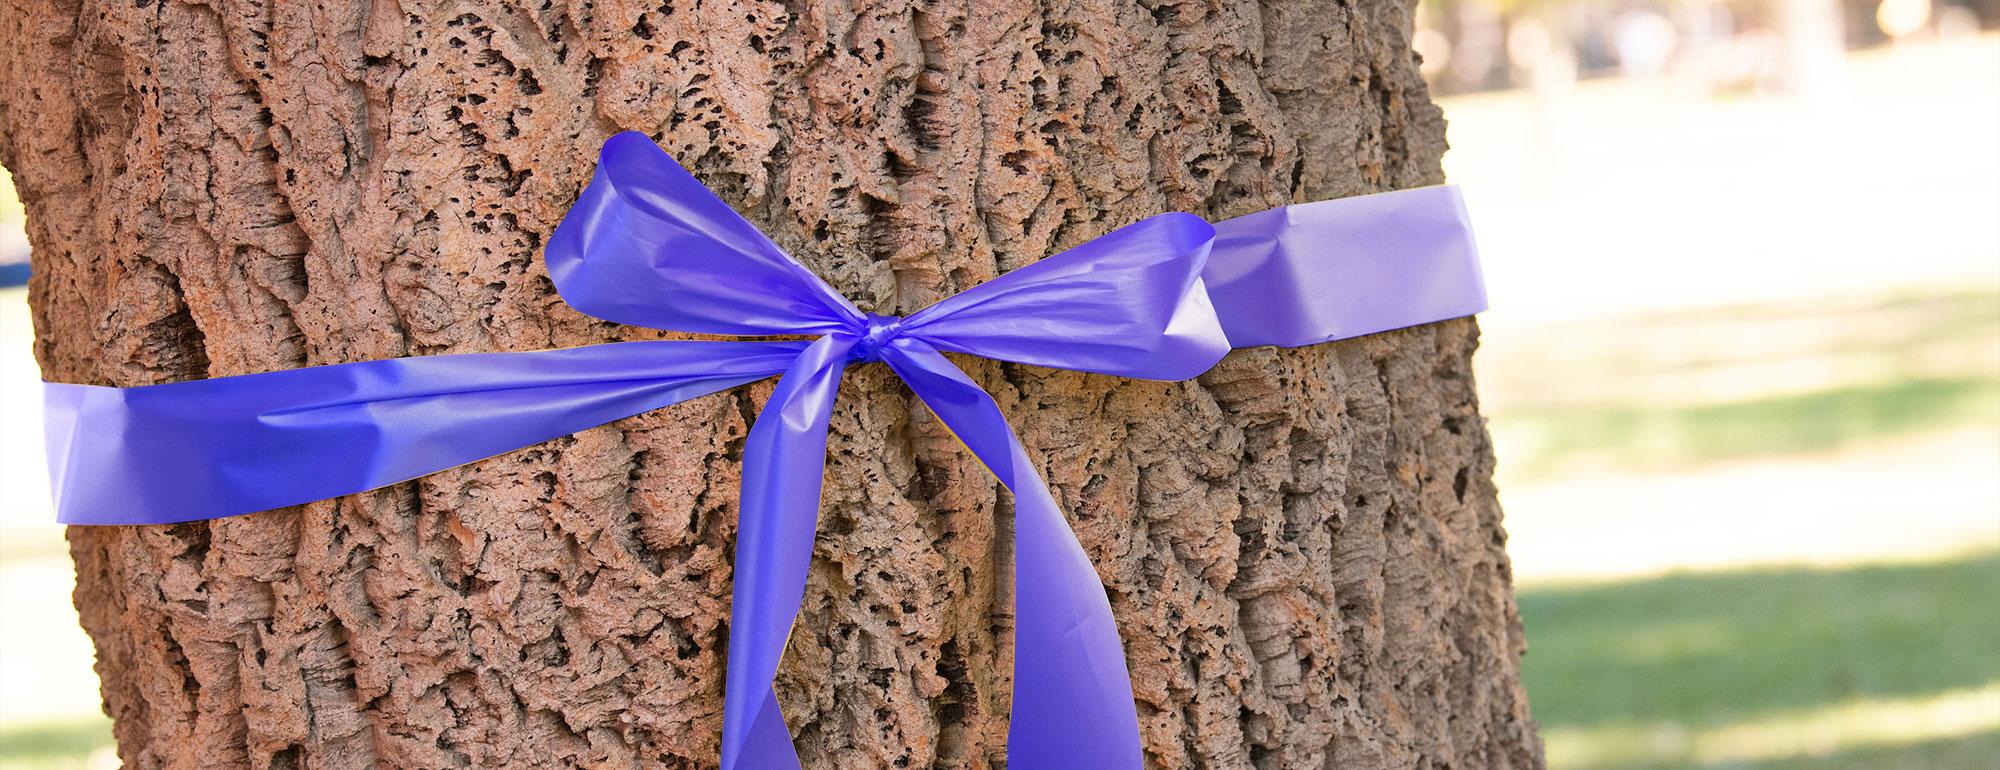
<point>1742,370</point>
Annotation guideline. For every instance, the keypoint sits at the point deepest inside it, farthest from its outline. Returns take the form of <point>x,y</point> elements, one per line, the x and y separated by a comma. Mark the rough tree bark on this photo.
<point>1303,547</point>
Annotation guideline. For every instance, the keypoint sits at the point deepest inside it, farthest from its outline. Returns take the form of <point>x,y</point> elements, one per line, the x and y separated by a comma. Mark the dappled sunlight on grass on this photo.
<point>1574,440</point>
<point>1729,667</point>
<point>1898,469</point>
<point>1727,353</point>
<point>1668,391</point>
<point>1970,752</point>
<point>1860,724</point>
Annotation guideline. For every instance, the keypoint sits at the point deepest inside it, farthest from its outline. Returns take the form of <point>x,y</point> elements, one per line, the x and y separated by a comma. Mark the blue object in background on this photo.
<point>13,256</point>
<point>13,274</point>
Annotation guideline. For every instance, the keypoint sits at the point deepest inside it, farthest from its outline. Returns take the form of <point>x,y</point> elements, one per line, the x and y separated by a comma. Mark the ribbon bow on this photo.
<point>648,245</point>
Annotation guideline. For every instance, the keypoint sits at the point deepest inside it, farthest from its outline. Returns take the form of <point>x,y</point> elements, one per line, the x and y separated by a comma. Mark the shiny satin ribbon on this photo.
<point>648,245</point>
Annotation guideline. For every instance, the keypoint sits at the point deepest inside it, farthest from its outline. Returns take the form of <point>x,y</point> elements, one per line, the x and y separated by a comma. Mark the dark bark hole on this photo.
<point>194,540</point>
<point>286,759</point>
<point>916,119</point>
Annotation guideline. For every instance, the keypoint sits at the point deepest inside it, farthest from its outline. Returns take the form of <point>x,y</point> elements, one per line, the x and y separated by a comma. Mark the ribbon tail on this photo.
<point>232,445</point>
<point>768,745</point>
<point>783,461</point>
<point>1072,693</point>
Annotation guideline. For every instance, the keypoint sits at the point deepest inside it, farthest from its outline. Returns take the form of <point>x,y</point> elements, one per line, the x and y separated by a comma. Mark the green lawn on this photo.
<point>1670,391</point>
<point>1713,670</point>
<point>1970,752</point>
<point>55,745</point>
<point>1572,440</point>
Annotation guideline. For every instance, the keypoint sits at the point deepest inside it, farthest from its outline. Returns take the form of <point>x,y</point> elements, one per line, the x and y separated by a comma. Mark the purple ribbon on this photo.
<point>648,245</point>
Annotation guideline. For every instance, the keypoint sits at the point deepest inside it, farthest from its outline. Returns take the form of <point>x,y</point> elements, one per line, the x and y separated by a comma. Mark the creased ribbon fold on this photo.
<point>648,245</point>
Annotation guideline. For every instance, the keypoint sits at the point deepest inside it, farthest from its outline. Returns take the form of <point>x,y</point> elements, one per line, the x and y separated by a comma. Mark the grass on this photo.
<point>1643,436</point>
<point>58,745</point>
<point>1965,752</point>
<point>1971,751</point>
<point>1659,672</point>
<point>1670,391</point>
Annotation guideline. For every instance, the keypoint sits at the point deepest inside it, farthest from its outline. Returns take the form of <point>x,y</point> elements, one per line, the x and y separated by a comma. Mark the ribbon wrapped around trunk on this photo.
<point>648,245</point>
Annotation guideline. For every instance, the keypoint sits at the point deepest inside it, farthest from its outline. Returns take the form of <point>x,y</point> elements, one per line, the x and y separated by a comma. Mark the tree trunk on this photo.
<point>1302,547</point>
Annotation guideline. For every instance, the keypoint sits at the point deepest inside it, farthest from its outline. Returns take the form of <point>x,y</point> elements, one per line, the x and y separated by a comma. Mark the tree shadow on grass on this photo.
<point>1710,650</point>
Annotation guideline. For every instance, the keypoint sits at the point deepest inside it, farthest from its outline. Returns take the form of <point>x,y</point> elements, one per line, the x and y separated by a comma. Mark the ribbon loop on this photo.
<point>647,245</point>
<point>1129,304</point>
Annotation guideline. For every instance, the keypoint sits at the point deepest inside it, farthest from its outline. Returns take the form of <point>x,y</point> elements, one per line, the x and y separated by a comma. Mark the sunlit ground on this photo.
<point>1743,370</point>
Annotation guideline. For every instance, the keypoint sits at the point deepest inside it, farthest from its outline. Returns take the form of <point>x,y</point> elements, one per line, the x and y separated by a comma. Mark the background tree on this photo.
<point>1302,547</point>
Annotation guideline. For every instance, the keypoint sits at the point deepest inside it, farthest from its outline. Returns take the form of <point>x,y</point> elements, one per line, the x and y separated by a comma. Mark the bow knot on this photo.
<point>648,245</point>
<point>877,331</point>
